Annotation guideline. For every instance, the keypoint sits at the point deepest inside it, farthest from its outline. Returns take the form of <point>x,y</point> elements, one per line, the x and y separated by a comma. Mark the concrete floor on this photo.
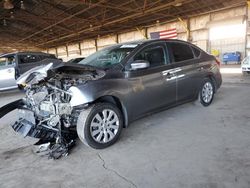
<point>187,146</point>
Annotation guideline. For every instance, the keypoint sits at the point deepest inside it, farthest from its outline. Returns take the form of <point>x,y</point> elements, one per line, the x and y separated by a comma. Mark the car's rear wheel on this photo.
<point>206,93</point>
<point>100,125</point>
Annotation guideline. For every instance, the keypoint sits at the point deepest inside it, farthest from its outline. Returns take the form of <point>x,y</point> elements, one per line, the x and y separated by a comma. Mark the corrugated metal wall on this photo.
<point>199,33</point>
<point>248,33</point>
<point>131,36</point>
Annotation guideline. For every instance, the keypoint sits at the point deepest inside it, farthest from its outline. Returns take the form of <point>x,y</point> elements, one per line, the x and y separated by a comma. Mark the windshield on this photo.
<point>108,57</point>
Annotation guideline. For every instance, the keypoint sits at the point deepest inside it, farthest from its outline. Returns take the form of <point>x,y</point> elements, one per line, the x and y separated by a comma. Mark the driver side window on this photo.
<point>155,55</point>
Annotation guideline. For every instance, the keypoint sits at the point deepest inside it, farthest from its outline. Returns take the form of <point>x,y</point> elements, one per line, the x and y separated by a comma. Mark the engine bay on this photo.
<point>46,112</point>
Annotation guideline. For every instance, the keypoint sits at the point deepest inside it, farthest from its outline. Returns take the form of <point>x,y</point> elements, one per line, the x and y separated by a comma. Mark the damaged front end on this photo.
<point>47,111</point>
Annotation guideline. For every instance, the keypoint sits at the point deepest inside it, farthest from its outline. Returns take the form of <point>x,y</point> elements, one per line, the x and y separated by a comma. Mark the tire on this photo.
<point>206,93</point>
<point>245,73</point>
<point>92,129</point>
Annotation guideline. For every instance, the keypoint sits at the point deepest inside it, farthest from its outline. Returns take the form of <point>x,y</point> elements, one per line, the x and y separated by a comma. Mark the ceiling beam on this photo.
<point>119,20</point>
<point>61,21</point>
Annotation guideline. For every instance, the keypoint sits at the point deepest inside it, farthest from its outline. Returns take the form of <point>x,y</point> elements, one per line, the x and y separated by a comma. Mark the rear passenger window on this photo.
<point>196,51</point>
<point>52,56</point>
<point>23,59</point>
<point>181,51</point>
<point>47,56</point>
<point>42,57</point>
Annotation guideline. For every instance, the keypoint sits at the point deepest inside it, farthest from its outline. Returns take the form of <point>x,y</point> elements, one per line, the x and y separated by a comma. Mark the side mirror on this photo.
<point>139,64</point>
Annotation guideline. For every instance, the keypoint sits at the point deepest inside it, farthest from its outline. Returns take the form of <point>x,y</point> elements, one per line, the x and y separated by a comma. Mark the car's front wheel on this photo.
<point>206,93</point>
<point>100,125</point>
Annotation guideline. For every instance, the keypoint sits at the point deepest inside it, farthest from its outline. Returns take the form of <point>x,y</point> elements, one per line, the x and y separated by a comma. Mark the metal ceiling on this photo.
<point>50,23</point>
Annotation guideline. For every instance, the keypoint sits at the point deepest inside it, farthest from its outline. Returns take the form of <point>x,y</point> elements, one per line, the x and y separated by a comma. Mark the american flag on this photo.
<point>166,34</point>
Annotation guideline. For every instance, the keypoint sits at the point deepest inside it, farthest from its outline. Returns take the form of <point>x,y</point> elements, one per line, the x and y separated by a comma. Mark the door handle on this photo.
<point>171,71</point>
<point>169,75</point>
<point>200,68</point>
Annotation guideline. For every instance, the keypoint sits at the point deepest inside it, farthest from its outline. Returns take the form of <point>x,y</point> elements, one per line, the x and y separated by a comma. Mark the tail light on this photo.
<point>218,62</point>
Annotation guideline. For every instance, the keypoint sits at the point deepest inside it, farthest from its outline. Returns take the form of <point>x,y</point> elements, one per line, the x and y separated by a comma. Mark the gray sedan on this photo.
<point>97,97</point>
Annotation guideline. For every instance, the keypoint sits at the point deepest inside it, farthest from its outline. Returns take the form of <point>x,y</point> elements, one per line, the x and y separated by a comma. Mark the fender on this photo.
<point>94,90</point>
<point>89,92</point>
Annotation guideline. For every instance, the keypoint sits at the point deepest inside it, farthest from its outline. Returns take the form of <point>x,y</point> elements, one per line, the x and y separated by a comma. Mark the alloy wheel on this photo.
<point>104,126</point>
<point>207,92</point>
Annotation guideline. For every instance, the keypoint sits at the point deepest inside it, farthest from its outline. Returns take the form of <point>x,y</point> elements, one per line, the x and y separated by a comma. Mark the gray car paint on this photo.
<point>141,92</point>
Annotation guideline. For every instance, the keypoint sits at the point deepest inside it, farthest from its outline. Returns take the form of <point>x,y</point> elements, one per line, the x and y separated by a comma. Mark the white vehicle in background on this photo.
<point>12,65</point>
<point>245,65</point>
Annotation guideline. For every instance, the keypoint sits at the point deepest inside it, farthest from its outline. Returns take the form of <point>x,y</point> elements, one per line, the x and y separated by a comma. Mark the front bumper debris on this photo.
<point>26,128</point>
<point>10,107</point>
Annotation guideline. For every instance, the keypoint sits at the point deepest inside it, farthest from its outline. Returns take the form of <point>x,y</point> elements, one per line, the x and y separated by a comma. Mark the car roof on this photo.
<point>24,53</point>
<point>144,41</point>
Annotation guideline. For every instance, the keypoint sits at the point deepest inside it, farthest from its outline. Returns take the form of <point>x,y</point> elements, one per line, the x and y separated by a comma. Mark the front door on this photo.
<point>151,88</point>
<point>7,73</point>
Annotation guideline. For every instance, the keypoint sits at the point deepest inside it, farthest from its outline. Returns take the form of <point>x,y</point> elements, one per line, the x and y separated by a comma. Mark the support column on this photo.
<point>247,45</point>
<point>80,49</point>
<point>96,47</point>
<point>67,51</point>
<point>56,53</point>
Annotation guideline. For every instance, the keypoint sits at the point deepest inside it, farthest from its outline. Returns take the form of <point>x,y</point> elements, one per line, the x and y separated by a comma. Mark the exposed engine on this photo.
<point>46,112</point>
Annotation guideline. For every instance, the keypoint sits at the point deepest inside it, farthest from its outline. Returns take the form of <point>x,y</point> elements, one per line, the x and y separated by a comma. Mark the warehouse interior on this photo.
<point>185,146</point>
<point>72,29</point>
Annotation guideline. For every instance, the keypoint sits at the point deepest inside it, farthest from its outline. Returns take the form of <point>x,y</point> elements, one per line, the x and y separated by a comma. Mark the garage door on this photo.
<point>228,36</point>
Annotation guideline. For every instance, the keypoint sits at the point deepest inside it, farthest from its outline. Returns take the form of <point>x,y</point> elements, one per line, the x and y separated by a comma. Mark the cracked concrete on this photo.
<point>186,146</point>
<point>118,174</point>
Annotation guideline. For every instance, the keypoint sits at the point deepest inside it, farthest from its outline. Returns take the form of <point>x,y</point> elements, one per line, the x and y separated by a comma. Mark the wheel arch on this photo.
<point>212,78</point>
<point>116,101</point>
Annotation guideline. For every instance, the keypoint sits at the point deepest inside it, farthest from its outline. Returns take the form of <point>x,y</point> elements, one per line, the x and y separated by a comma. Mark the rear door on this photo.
<point>184,61</point>
<point>7,73</point>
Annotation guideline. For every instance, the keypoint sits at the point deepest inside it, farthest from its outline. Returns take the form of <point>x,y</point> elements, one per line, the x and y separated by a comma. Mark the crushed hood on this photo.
<point>36,74</point>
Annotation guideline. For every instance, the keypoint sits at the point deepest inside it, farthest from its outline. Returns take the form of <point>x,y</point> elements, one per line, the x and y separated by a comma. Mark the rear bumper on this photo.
<point>245,69</point>
<point>218,80</point>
